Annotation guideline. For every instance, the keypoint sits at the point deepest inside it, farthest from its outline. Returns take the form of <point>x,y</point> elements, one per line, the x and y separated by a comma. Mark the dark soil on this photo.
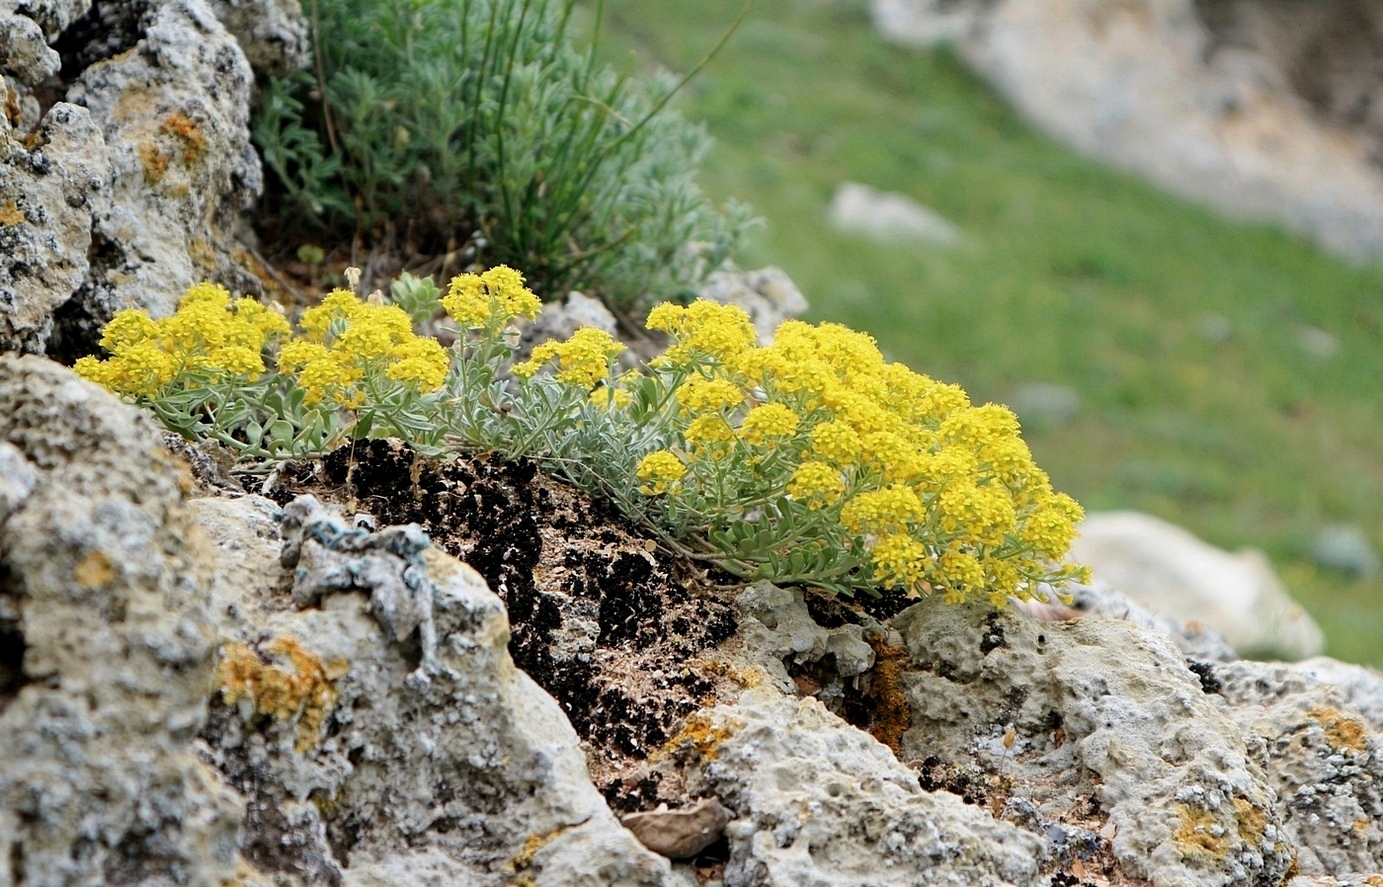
<point>604,620</point>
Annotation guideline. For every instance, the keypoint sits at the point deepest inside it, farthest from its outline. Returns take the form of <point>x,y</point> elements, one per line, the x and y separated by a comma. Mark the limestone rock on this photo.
<point>1170,571</point>
<point>1105,719</point>
<point>47,196</point>
<point>820,802</point>
<point>1262,109</point>
<point>1324,756</point>
<point>273,34</point>
<point>107,640</point>
<point>767,295</point>
<point>887,216</point>
<point>174,113</point>
<point>380,763</point>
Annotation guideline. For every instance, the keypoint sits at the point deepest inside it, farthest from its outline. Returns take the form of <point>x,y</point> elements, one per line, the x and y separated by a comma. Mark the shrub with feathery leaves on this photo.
<point>443,118</point>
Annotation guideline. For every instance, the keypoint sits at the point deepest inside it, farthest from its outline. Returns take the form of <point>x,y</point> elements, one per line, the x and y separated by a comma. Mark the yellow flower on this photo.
<point>1051,528</point>
<point>582,361</point>
<point>816,483</point>
<point>703,329</point>
<point>490,300</point>
<point>768,422</point>
<point>420,362</point>
<point>708,430</point>
<point>128,327</point>
<point>980,515</point>
<point>702,395</point>
<point>899,560</point>
<point>338,305</point>
<point>892,509</point>
<point>660,471</point>
<point>836,442</point>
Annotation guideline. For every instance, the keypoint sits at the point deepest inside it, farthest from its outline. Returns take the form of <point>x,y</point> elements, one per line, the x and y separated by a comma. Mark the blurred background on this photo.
<point>1154,229</point>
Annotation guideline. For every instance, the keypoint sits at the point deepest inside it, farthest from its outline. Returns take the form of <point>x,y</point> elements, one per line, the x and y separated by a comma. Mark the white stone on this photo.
<point>888,216</point>
<point>1169,570</point>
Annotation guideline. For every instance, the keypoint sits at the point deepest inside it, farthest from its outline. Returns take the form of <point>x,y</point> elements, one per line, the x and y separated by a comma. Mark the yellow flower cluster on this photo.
<point>490,300</point>
<point>935,494</point>
<point>345,339</point>
<point>208,339</point>
<point>660,471</point>
<point>582,360</point>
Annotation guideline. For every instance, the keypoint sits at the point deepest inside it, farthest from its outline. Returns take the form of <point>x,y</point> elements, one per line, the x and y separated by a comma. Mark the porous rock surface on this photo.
<point>107,646</point>
<point>427,757</point>
<point>1265,109</point>
<point>820,802</point>
<point>1113,738</point>
<point>122,179</point>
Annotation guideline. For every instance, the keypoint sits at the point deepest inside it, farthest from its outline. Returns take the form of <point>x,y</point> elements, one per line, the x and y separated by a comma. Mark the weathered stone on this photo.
<point>1169,570</point>
<point>174,114</point>
<point>1098,727</point>
<point>47,196</point>
<point>1324,757</point>
<point>452,766</point>
<point>819,802</point>
<point>107,644</point>
<point>1259,108</point>
<point>273,34</point>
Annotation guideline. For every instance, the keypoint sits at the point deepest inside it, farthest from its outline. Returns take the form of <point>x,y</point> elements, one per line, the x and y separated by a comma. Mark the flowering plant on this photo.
<point>810,460</point>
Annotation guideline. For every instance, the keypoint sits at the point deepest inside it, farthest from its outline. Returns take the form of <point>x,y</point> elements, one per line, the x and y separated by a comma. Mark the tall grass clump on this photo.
<point>441,122</point>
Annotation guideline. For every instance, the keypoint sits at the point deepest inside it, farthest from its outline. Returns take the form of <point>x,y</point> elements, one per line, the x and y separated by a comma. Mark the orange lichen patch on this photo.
<point>11,214</point>
<point>188,133</point>
<point>1199,834</point>
<point>892,714</point>
<point>1374,881</point>
<point>94,571</point>
<point>155,163</point>
<point>302,687</point>
<point>1253,821</point>
<point>700,735</point>
<point>1341,731</point>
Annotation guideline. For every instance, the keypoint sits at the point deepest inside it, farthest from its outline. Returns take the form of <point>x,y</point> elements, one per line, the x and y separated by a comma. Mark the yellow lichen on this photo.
<point>701,735</point>
<point>291,683</point>
<point>747,677</point>
<point>94,571</point>
<point>892,714</point>
<point>10,213</point>
<point>1253,821</point>
<point>1341,731</point>
<point>1200,834</point>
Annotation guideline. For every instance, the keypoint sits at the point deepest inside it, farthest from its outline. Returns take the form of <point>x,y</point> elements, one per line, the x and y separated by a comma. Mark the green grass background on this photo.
<point>1071,273</point>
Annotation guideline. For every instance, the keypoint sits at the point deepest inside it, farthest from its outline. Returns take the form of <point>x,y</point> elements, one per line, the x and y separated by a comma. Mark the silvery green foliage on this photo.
<point>444,118</point>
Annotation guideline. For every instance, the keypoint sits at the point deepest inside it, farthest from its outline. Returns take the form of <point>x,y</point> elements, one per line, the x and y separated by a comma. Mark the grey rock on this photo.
<point>174,114</point>
<point>1323,755</point>
<point>1043,405</point>
<point>106,590</point>
<point>1260,110</point>
<point>820,802</point>
<point>1169,570</point>
<point>1105,716</point>
<point>24,51</point>
<point>1195,640</point>
<point>47,197</point>
<point>273,34</point>
<point>1345,549</point>
<point>53,16</point>
<point>888,216</point>
<point>454,768</point>
<point>767,295</point>
<point>778,633</point>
